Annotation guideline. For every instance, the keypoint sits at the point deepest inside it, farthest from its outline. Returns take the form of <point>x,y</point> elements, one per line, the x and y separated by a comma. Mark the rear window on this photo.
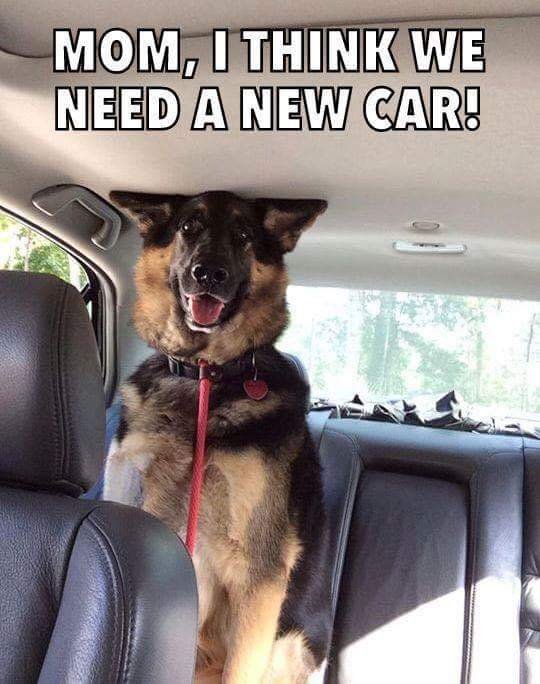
<point>386,345</point>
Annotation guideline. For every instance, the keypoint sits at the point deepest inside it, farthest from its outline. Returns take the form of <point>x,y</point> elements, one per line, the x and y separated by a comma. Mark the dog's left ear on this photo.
<point>286,219</point>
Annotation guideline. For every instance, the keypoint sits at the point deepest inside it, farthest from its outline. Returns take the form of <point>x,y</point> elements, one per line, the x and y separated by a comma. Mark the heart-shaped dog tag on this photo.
<point>256,389</point>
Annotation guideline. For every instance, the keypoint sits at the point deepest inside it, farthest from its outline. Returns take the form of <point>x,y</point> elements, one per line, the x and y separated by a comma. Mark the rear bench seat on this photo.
<point>428,554</point>
<point>435,548</point>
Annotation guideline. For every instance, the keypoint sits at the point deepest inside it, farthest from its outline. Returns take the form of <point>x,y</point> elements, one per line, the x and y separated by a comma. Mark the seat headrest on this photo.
<point>51,392</point>
<point>300,369</point>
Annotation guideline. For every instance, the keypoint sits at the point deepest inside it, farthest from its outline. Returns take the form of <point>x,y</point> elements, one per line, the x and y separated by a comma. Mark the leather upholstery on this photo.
<point>138,621</point>
<point>530,610</point>
<point>427,530</point>
<point>298,367</point>
<point>51,394</point>
<point>91,592</point>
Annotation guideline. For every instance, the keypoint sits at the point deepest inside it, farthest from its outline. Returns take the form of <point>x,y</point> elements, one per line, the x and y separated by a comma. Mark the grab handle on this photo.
<point>53,200</point>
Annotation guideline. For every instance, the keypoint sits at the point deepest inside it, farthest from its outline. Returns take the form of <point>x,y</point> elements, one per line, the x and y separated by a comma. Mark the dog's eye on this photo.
<point>188,227</point>
<point>244,236</point>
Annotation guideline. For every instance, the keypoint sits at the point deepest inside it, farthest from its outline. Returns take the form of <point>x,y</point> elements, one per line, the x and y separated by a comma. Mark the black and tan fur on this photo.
<point>263,604</point>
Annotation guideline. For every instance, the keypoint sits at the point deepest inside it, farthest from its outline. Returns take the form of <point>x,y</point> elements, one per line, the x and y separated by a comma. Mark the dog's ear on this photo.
<point>286,219</point>
<point>151,211</point>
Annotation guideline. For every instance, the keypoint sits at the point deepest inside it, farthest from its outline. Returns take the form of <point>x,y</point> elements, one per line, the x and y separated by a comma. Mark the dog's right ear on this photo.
<point>151,211</point>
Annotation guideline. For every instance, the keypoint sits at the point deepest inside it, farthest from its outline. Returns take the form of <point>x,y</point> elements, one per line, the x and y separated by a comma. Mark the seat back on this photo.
<point>427,527</point>
<point>91,591</point>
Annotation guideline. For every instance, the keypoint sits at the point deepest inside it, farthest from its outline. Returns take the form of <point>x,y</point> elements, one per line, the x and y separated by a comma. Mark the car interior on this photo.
<point>434,531</point>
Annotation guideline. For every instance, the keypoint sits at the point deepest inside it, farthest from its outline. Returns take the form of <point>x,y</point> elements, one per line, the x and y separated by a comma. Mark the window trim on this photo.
<point>101,291</point>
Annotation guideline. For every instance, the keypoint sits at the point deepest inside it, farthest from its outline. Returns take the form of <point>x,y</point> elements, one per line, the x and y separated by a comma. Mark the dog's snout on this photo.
<point>208,274</point>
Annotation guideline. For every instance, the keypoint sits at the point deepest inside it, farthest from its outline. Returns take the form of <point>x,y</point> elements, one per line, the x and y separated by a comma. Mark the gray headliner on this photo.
<point>26,26</point>
<point>482,187</point>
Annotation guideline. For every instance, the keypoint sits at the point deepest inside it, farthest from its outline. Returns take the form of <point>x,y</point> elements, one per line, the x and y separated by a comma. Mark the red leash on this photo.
<point>256,389</point>
<point>205,385</point>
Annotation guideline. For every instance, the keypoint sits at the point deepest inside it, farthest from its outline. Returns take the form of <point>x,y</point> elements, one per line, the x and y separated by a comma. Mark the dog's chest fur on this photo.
<point>245,528</point>
<point>261,520</point>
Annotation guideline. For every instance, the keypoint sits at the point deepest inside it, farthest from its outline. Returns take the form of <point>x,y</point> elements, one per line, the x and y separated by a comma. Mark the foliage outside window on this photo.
<point>23,249</point>
<point>384,345</point>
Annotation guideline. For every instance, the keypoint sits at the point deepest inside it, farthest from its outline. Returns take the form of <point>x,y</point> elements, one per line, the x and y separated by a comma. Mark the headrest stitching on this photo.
<point>61,351</point>
<point>52,383</point>
<point>70,440</point>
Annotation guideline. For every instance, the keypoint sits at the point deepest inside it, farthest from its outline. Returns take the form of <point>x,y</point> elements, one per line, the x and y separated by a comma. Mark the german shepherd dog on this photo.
<point>211,285</point>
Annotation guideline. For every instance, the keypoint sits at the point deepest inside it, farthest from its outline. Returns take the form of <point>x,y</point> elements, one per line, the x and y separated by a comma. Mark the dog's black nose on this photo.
<point>206,274</point>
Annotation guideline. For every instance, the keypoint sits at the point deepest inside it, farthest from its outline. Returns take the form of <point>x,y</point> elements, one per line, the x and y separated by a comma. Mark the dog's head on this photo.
<point>211,279</point>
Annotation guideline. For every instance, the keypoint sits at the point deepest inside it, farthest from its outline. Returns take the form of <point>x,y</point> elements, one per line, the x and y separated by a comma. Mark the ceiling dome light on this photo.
<point>425,226</point>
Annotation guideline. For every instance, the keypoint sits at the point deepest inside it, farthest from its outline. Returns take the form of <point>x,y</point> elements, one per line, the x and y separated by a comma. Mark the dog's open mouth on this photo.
<point>205,309</point>
<point>204,312</point>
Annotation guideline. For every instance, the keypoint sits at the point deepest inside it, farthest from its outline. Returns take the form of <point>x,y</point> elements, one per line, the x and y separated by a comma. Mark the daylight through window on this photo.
<point>23,249</point>
<point>383,345</point>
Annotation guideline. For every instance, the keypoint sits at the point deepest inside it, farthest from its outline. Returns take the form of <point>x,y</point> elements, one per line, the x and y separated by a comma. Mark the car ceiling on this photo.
<point>482,187</point>
<point>21,33</point>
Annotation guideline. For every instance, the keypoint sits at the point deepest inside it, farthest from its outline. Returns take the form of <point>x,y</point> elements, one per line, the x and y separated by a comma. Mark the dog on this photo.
<point>211,284</point>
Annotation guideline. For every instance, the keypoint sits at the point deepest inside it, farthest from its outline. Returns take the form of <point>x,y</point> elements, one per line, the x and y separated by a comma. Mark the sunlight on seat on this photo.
<point>426,644</point>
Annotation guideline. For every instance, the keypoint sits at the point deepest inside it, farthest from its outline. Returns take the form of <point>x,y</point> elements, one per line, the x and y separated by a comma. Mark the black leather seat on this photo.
<point>530,607</point>
<point>89,591</point>
<point>436,537</point>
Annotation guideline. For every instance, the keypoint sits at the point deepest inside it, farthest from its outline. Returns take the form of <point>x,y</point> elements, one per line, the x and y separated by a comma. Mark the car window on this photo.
<point>383,345</point>
<point>23,249</point>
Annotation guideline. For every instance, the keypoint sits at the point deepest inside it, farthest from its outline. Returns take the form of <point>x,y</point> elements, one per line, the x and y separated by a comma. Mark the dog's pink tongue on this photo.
<point>205,309</point>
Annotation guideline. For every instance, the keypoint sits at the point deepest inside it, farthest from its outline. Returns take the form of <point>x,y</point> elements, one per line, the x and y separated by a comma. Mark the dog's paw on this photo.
<point>122,480</point>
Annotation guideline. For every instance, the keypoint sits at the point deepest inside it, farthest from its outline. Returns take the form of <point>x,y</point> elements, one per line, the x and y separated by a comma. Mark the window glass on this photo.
<point>383,345</point>
<point>23,249</point>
